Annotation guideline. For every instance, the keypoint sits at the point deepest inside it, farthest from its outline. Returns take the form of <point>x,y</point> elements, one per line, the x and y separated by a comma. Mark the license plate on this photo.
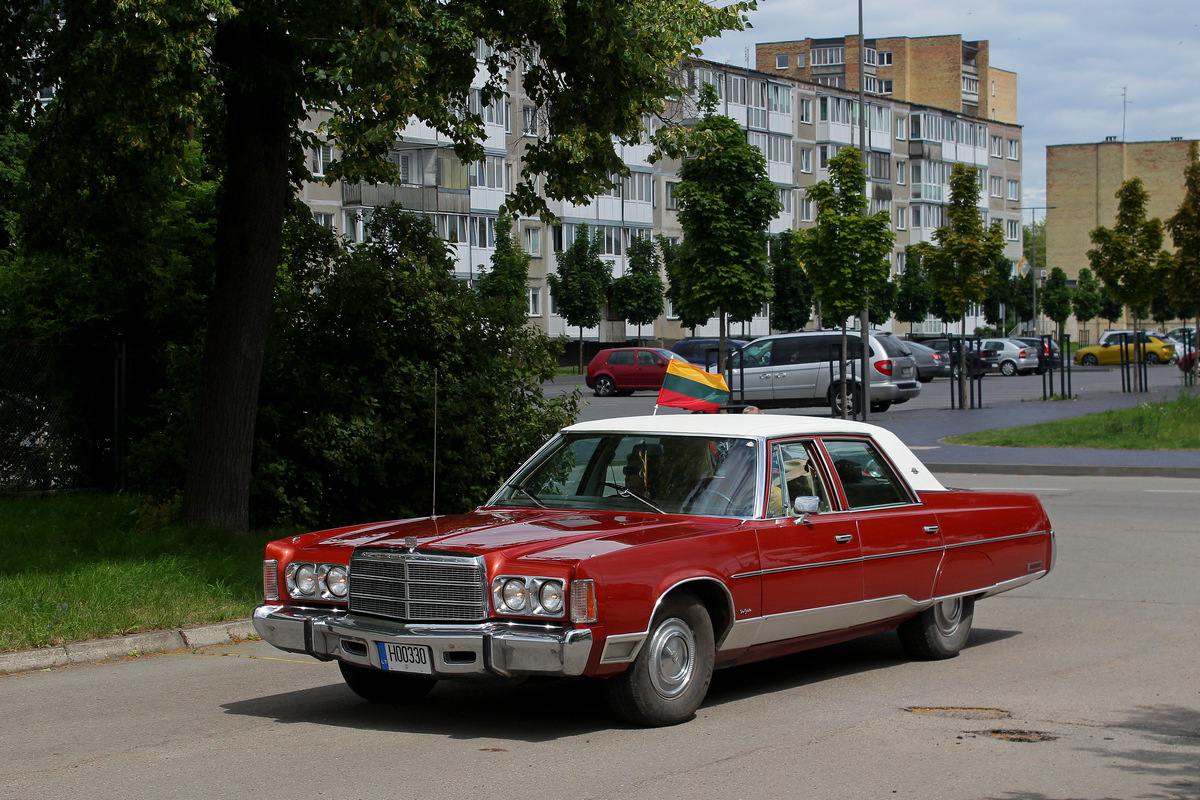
<point>405,658</point>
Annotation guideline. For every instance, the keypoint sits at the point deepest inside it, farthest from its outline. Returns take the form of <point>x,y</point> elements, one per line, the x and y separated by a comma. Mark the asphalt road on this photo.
<point>1084,685</point>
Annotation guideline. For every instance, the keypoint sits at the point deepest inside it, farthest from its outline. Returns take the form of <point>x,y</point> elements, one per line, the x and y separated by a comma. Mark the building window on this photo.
<point>901,172</point>
<point>324,220</point>
<point>824,56</point>
<point>879,166</point>
<point>529,125</point>
<point>970,85</point>
<point>806,159</point>
<point>781,61</point>
<point>884,58</point>
<point>1014,190</point>
<point>997,144</point>
<point>672,203</point>
<point>901,128</point>
<point>994,185</point>
<point>785,200</point>
<point>533,241</point>
<point>901,262</point>
<point>1012,230</point>
<point>799,60</point>
<point>806,110</point>
<point>779,98</point>
<point>885,85</point>
<point>737,89</point>
<point>322,158</point>
<point>535,302</point>
<point>901,218</point>
<point>806,209</point>
<point>1014,150</point>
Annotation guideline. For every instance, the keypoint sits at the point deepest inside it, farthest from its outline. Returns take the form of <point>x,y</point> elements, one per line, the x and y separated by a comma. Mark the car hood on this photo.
<point>518,533</point>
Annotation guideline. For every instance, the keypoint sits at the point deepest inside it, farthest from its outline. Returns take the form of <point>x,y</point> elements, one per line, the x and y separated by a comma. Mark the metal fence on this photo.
<point>61,411</point>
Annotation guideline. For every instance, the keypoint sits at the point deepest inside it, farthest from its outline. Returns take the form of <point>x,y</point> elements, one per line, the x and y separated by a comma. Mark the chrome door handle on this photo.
<point>932,529</point>
<point>843,538</point>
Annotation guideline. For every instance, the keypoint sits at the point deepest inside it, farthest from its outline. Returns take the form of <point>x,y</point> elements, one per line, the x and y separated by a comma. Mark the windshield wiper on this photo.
<point>629,493</point>
<point>537,500</point>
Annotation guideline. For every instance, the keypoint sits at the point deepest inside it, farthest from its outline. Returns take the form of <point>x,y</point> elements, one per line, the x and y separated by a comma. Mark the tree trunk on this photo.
<point>249,234</point>
<point>962,364</point>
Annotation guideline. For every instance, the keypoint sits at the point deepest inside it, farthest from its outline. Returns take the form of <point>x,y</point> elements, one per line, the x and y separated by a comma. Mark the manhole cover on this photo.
<point>1021,736</point>
<point>961,713</point>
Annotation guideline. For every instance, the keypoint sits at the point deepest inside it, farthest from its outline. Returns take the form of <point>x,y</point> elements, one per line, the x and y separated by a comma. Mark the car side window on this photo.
<point>794,474</point>
<point>757,354</point>
<point>866,478</point>
<point>621,358</point>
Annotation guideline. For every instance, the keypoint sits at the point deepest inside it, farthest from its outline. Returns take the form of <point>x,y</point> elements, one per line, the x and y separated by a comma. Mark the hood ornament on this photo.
<point>411,543</point>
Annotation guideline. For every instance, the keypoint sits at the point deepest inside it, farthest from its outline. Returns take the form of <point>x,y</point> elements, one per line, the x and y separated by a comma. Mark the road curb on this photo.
<point>136,644</point>
<point>1106,470</point>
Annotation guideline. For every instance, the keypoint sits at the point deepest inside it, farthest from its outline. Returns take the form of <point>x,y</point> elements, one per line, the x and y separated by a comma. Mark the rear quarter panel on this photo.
<point>991,538</point>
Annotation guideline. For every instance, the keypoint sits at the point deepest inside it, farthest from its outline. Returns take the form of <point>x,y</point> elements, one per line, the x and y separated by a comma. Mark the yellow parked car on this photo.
<point>1113,343</point>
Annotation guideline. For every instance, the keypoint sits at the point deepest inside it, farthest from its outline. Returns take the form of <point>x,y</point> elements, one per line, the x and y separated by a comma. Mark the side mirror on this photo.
<point>803,506</point>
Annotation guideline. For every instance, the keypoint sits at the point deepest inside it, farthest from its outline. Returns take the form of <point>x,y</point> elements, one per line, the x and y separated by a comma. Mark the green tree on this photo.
<point>883,300</point>
<point>1185,234</point>
<point>637,296</point>
<point>726,201</point>
<point>684,301</point>
<point>966,250</point>
<point>1129,258</point>
<point>1056,297</point>
<point>580,283</point>
<point>1087,299</point>
<point>1111,309</point>
<point>508,281</point>
<point>914,299</point>
<point>1000,291</point>
<point>149,76</point>
<point>792,307</point>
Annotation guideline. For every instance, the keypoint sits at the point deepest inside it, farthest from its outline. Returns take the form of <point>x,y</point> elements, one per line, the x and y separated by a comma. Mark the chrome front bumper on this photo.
<point>459,650</point>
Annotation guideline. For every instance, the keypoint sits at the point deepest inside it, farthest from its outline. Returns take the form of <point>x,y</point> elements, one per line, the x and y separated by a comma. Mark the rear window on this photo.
<point>893,346</point>
<point>621,357</point>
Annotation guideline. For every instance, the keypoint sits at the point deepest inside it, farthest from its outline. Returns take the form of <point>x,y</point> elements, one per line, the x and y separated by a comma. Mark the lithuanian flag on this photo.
<point>687,386</point>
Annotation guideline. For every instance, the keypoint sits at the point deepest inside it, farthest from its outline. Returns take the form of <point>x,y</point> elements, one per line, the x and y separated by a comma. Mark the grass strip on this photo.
<point>1164,425</point>
<point>81,567</point>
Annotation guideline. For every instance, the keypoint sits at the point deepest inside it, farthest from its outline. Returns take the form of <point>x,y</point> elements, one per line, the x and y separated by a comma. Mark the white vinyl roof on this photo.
<point>770,426</point>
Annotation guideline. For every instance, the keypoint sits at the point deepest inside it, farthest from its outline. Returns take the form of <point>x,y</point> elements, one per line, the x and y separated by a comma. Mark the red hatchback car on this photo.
<point>624,370</point>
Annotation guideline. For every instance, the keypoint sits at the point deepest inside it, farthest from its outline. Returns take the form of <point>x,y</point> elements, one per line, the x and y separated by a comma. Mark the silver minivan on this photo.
<point>802,369</point>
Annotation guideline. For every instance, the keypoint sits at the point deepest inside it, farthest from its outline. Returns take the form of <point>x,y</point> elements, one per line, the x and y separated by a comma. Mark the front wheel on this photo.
<point>1089,360</point>
<point>669,679</point>
<point>940,631</point>
<point>1008,369</point>
<point>604,386</point>
<point>387,688</point>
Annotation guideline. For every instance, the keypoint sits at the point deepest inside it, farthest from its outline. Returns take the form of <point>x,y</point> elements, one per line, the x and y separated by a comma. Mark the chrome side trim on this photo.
<point>1008,585</point>
<point>995,539</point>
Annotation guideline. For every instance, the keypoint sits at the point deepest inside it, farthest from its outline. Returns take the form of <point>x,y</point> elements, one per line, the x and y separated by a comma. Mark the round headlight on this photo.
<point>336,581</point>
<point>551,597</point>
<point>306,579</point>
<point>514,595</point>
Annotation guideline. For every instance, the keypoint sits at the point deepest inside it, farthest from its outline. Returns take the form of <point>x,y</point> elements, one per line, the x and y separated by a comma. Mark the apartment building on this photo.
<point>938,71</point>
<point>1081,185</point>
<point>797,124</point>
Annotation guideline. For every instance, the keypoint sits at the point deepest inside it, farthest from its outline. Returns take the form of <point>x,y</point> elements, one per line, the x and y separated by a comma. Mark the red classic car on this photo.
<point>646,551</point>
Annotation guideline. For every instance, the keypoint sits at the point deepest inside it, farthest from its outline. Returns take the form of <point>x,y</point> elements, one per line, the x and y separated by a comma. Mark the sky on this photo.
<point>1074,60</point>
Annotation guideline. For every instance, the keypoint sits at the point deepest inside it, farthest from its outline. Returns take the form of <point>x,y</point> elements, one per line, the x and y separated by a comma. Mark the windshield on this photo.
<point>623,472</point>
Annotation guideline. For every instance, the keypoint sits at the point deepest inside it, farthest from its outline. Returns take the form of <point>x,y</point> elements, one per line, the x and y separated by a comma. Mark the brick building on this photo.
<point>1081,185</point>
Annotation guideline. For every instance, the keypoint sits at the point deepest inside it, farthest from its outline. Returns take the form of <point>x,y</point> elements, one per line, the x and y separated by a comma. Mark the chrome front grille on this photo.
<point>417,587</point>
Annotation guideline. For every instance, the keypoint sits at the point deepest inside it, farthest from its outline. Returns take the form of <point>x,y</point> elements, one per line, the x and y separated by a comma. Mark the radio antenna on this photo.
<point>433,502</point>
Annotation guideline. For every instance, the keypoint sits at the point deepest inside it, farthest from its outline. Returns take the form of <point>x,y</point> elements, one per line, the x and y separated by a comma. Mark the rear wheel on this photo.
<point>940,631</point>
<point>852,400</point>
<point>1008,369</point>
<point>881,406</point>
<point>1152,358</point>
<point>389,688</point>
<point>604,386</point>
<point>669,679</point>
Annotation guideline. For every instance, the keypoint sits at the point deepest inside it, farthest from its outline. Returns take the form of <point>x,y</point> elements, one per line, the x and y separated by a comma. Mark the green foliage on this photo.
<point>1129,258</point>
<point>1056,297</point>
<point>914,298</point>
<point>845,255</point>
<point>1111,308</point>
<point>792,307</point>
<point>1022,297</point>
<point>960,264</point>
<point>1000,291</point>
<point>580,283</point>
<point>637,296</point>
<point>365,351</point>
<point>1086,299</point>
<point>883,301</point>
<point>507,282</point>
<point>679,291</point>
<point>726,202</point>
<point>1185,233</point>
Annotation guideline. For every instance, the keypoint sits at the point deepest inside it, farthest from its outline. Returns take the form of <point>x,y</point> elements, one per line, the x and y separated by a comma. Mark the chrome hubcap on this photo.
<point>672,658</point>
<point>948,615</point>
